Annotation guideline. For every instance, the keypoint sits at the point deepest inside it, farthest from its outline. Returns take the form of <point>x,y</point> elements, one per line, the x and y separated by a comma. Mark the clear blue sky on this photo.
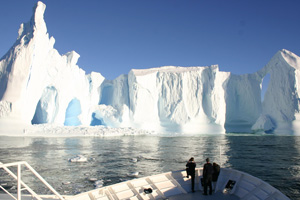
<point>114,36</point>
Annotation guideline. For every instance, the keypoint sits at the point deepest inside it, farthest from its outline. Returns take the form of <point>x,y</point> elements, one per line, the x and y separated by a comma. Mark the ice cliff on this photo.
<point>40,86</point>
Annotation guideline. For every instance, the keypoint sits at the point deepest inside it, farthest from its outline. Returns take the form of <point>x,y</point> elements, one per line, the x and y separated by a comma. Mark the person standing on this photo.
<point>207,176</point>
<point>190,168</point>
<point>215,174</point>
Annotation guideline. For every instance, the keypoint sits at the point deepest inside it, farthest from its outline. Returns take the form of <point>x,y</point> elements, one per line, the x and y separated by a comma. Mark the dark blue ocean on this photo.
<point>274,159</point>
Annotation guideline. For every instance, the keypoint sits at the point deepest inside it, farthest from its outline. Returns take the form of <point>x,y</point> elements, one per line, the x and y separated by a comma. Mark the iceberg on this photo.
<point>42,89</point>
<point>281,101</point>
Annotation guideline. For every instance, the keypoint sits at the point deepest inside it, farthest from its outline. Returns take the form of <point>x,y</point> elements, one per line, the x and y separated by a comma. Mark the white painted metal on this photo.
<point>5,167</point>
<point>20,183</point>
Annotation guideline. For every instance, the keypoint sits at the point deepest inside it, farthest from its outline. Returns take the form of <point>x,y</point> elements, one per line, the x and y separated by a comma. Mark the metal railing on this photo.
<point>21,184</point>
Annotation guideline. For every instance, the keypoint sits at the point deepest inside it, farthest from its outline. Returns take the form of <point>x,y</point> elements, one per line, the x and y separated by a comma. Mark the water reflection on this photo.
<point>14,142</point>
<point>294,169</point>
<point>274,159</point>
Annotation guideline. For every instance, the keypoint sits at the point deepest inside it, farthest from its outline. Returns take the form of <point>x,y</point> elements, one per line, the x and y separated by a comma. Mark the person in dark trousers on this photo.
<point>215,174</point>
<point>190,169</point>
<point>207,176</point>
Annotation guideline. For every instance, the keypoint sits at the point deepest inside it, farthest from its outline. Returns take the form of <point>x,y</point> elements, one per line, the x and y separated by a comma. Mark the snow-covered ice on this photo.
<point>92,179</point>
<point>66,183</point>
<point>98,183</point>
<point>44,92</point>
<point>78,158</point>
<point>133,174</point>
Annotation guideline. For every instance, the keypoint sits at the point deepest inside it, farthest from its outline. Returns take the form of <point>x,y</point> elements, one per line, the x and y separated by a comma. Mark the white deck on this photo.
<point>29,197</point>
<point>175,186</point>
<point>198,196</point>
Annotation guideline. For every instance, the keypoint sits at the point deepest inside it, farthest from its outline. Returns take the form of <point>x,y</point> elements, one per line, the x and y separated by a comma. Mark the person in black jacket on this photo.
<point>215,174</point>
<point>190,169</point>
<point>207,176</point>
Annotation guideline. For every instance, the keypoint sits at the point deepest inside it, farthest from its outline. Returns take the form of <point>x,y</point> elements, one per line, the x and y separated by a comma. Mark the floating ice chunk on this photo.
<point>134,159</point>
<point>78,158</point>
<point>133,174</point>
<point>66,183</point>
<point>99,184</point>
<point>93,179</point>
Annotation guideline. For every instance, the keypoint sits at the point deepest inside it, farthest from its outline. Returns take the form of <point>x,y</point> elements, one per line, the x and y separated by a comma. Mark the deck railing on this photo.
<point>21,184</point>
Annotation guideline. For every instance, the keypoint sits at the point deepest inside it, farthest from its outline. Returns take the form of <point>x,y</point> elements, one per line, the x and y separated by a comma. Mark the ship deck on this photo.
<point>188,196</point>
<point>232,184</point>
<point>199,196</point>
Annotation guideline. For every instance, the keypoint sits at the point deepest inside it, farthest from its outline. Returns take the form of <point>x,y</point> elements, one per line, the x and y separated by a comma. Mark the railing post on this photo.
<point>19,182</point>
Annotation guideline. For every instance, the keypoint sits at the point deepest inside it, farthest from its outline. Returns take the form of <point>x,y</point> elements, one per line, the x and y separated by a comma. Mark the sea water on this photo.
<point>110,160</point>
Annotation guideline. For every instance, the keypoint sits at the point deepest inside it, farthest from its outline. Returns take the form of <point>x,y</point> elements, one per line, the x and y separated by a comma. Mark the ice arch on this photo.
<point>47,107</point>
<point>72,113</point>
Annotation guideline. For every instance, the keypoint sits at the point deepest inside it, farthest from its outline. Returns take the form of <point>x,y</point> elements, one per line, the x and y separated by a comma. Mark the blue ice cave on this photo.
<point>72,113</point>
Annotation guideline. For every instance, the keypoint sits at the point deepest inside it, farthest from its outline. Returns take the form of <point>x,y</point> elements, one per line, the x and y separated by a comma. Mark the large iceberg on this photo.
<point>40,86</point>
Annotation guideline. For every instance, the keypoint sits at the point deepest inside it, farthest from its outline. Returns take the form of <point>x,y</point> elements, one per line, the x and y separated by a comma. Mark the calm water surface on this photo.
<point>274,159</point>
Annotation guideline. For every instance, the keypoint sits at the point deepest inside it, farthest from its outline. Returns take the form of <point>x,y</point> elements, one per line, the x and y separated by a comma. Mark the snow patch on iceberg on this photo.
<point>5,108</point>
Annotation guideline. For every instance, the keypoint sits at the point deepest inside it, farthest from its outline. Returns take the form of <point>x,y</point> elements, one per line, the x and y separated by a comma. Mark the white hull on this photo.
<point>175,185</point>
<point>171,185</point>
